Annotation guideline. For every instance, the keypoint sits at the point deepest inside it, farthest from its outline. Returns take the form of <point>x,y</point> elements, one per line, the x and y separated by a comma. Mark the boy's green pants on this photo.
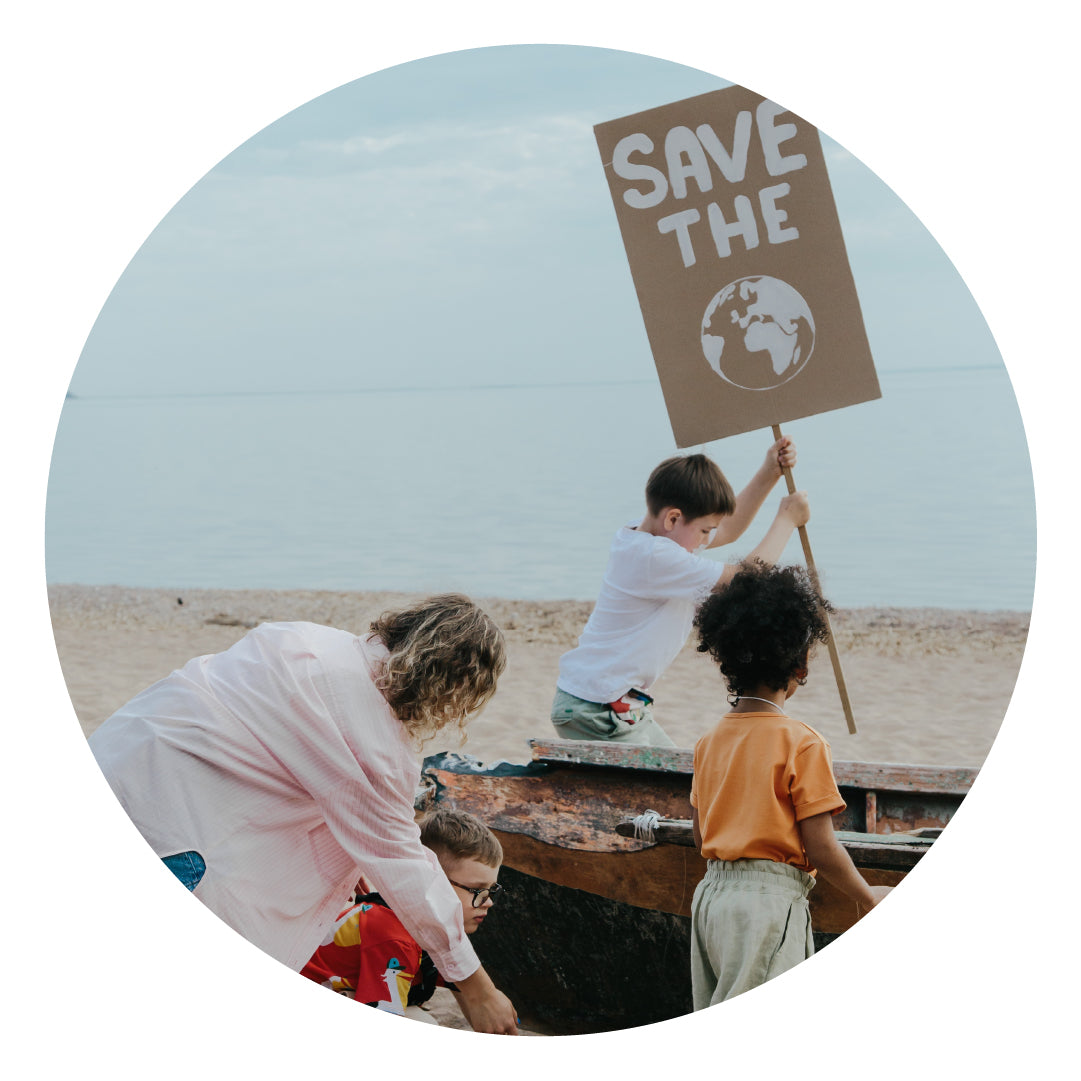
<point>750,921</point>
<point>575,718</point>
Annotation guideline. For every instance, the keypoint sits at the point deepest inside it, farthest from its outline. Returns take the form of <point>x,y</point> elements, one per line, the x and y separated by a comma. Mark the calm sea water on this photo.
<point>923,498</point>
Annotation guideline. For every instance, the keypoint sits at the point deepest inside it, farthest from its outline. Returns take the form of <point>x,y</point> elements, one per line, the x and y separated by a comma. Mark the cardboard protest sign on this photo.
<point>736,253</point>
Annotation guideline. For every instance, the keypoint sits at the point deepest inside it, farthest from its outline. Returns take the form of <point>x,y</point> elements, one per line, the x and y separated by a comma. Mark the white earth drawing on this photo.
<point>758,333</point>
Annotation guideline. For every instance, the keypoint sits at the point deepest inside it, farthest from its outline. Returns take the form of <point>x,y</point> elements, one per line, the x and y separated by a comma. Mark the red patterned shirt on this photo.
<point>369,956</point>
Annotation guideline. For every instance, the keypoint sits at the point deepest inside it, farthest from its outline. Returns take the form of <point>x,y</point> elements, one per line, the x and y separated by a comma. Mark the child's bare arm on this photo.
<point>834,864</point>
<point>696,829</point>
<point>793,512</point>
<point>780,456</point>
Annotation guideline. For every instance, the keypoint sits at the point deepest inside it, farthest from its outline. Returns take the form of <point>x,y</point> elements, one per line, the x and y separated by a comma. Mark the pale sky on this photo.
<point>447,222</point>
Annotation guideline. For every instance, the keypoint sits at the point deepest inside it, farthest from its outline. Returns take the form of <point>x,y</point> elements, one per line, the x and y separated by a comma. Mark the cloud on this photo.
<point>452,211</point>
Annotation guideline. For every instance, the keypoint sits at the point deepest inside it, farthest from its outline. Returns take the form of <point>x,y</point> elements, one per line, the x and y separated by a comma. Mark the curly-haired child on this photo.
<point>763,792</point>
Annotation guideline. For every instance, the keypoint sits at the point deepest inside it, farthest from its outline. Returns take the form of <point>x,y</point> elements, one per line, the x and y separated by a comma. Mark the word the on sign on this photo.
<point>700,155</point>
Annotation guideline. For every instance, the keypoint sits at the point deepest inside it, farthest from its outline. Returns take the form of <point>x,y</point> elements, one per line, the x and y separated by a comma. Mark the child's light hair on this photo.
<point>460,836</point>
<point>693,484</point>
<point>445,657</point>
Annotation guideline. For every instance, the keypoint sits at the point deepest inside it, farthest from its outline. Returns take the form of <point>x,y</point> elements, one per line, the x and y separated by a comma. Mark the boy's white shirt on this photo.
<point>645,610</point>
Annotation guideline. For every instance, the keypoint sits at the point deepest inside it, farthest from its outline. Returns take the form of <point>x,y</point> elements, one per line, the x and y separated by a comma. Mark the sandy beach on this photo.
<point>926,685</point>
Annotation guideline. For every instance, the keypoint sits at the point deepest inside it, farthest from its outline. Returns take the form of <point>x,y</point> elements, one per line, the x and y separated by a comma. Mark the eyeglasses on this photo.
<point>484,893</point>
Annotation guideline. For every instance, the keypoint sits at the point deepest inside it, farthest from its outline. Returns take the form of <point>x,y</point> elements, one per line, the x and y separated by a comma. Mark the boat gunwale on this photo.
<point>879,776</point>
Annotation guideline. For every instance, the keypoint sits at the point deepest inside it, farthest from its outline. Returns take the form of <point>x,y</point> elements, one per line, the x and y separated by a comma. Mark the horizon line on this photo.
<point>71,396</point>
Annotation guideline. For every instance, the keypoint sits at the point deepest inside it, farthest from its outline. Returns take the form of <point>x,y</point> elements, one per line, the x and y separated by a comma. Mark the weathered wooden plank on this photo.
<point>885,851</point>
<point>896,812</point>
<point>898,777</point>
<point>578,808</point>
<point>832,912</point>
<point>888,776</point>
<point>614,755</point>
<point>558,806</point>
<point>918,841</point>
<point>662,878</point>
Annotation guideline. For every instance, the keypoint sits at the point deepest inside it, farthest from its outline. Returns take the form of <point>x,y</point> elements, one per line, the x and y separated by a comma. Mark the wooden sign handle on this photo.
<point>834,657</point>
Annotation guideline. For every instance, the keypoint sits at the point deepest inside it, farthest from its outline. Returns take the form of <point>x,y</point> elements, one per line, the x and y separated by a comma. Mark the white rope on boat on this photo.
<point>644,825</point>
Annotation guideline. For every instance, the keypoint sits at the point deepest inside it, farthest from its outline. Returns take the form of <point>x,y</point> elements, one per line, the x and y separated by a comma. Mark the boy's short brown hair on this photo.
<point>460,836</point>
<point>693,484</point>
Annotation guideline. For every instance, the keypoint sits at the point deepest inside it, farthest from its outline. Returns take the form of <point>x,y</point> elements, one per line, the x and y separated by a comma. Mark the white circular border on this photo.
<point>117,109</point>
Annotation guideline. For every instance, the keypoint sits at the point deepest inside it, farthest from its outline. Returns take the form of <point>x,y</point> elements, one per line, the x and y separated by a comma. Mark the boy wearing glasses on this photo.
<point>369,956</point>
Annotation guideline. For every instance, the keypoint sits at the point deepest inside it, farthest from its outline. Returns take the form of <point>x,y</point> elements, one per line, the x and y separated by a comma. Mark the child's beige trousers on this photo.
<point>750,921</point>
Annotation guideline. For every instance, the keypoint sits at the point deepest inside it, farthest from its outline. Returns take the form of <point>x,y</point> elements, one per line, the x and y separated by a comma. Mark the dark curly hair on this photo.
<point>761,626</point>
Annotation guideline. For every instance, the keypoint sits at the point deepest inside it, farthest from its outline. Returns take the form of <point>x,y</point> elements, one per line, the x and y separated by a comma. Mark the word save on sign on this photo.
<point>693,156</point>
<point>727,217</point>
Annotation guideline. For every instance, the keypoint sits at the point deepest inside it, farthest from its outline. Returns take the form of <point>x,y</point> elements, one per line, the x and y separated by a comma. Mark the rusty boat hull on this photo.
<point>596,934</point>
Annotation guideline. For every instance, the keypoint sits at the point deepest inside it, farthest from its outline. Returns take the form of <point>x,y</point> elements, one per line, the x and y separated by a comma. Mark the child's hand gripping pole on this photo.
<point>842,689</point>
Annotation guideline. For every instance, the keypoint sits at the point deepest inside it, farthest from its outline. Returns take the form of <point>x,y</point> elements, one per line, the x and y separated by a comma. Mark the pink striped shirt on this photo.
<point>280,762</point>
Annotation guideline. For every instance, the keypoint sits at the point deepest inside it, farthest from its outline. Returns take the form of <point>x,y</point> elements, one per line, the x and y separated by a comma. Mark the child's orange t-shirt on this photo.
<point>756,775</point>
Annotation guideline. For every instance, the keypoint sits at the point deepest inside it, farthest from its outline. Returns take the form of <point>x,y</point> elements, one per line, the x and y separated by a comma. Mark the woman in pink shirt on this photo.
<point>271,775</point>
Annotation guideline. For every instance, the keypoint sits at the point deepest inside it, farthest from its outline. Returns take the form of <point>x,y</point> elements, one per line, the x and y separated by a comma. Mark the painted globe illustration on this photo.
<point>757,333</point>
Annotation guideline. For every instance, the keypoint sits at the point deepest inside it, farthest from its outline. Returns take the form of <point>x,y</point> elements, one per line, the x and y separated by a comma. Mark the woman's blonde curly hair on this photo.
<point>445,657</point>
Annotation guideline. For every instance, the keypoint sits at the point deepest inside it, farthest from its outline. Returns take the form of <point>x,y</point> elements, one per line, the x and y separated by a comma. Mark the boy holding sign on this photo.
<point>653,585</point>
<point>727,217</point>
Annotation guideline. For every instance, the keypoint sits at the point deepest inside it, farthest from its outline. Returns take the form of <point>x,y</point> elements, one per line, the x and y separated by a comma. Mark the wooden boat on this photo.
<point>595,935</point>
